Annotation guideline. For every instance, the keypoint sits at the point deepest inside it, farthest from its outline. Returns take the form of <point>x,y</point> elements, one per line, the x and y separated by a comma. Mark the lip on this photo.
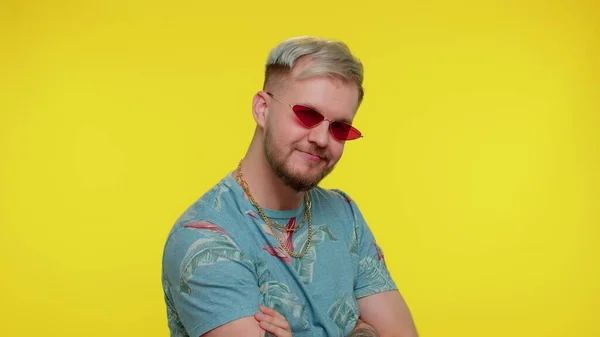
<point>310,156</point>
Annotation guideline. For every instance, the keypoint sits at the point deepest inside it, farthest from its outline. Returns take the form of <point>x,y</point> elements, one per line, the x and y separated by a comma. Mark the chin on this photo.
<point>308,169</point>
<point>302,176</point>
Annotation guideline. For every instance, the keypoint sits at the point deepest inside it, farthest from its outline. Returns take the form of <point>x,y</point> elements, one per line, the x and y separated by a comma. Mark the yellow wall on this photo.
<point>479,170</point>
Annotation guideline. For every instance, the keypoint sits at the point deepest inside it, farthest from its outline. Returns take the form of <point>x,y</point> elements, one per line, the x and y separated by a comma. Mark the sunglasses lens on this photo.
<point>307,116</point>
<point>343,131</point>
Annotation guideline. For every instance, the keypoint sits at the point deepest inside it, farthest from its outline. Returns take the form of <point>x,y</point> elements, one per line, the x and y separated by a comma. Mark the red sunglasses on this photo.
<point>311,118</point>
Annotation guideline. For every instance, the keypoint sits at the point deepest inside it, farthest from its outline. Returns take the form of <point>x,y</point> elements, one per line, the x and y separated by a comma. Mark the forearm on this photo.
<point>363,332</point>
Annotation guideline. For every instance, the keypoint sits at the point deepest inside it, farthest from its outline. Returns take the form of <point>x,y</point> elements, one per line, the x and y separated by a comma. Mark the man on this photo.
<point>268,235</point>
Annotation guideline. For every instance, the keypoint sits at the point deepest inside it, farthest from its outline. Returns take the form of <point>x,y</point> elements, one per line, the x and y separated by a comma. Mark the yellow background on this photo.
<point>478,173</point>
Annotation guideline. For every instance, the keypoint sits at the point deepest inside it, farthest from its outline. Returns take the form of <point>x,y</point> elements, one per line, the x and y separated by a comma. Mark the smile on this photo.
<point>310,156</point>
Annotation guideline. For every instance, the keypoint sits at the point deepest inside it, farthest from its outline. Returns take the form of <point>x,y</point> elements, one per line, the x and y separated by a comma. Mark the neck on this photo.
<point>266,188</point>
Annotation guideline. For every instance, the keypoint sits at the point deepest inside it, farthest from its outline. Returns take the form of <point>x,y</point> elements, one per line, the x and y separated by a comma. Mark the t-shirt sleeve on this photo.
<point>373,275</point>
<point>211,280</point>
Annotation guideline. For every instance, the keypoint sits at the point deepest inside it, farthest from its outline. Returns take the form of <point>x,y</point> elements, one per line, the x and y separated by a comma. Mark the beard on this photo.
<point>277,160</point>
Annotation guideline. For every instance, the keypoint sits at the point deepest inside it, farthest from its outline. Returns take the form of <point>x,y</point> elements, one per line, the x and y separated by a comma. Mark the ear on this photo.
<point>260,108</point>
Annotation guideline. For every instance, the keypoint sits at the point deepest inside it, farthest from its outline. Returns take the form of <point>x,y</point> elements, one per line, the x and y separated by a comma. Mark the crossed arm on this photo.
<point>381,315</point>
<point>387,314</point>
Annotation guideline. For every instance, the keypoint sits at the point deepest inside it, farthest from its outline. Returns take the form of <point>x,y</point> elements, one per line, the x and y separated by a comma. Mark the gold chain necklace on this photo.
<point>268,222</point>
<point>297,225</point>
<point>307,204</point>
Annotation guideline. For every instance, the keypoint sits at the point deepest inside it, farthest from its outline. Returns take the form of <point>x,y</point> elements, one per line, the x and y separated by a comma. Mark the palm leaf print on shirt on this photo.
<point>221,188</point>
<point>173,321</point>
<point>278,296</point>
<point>206,225</point>
<point>376,275</point>
<point>354,243</point>
<point>305,266</point>
<point>216,194</point>
<point>285,237</point>
<point>214,247</point>
<point>344,312</point>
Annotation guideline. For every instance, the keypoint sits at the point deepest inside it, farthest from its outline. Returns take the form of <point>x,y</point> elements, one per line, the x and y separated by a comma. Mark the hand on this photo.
<point>362,329</point>
<point>273,322</point>
<point>360,324</point>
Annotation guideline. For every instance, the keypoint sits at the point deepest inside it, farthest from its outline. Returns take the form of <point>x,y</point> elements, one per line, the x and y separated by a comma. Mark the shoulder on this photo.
<point>216,204</point>
<point>334,199</point>
<point>215,214</point>
<point>330,195</point>
<point>202,243</point>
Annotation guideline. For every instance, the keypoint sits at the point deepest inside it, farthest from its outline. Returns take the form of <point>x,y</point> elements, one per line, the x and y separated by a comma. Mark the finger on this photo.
<point>270,311</point>
<point>277,331</point>
<point>279,321</point>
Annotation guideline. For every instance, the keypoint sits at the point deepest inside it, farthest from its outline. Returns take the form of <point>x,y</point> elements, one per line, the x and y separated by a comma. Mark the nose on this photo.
<point>320,134</point>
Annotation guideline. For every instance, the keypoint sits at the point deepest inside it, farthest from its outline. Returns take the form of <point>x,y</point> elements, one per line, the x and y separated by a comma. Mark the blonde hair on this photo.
<point>327,57</point>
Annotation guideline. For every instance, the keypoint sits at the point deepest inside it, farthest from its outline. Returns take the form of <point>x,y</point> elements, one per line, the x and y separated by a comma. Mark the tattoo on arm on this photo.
<point>363,333</point>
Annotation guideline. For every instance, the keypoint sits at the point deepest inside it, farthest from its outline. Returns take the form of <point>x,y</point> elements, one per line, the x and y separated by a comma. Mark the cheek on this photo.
<point>337,150</point>
<point>284,136</point>
<point>290,131</point>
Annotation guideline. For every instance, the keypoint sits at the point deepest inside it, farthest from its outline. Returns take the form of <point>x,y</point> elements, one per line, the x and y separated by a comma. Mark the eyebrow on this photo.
<point>343,120</point>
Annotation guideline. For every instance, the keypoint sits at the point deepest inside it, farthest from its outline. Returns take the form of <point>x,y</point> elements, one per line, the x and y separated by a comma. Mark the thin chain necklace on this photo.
<point>268,222</point>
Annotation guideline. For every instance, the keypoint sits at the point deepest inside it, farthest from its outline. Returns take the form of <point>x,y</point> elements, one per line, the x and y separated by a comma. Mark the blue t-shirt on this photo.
<point>221,261</point>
